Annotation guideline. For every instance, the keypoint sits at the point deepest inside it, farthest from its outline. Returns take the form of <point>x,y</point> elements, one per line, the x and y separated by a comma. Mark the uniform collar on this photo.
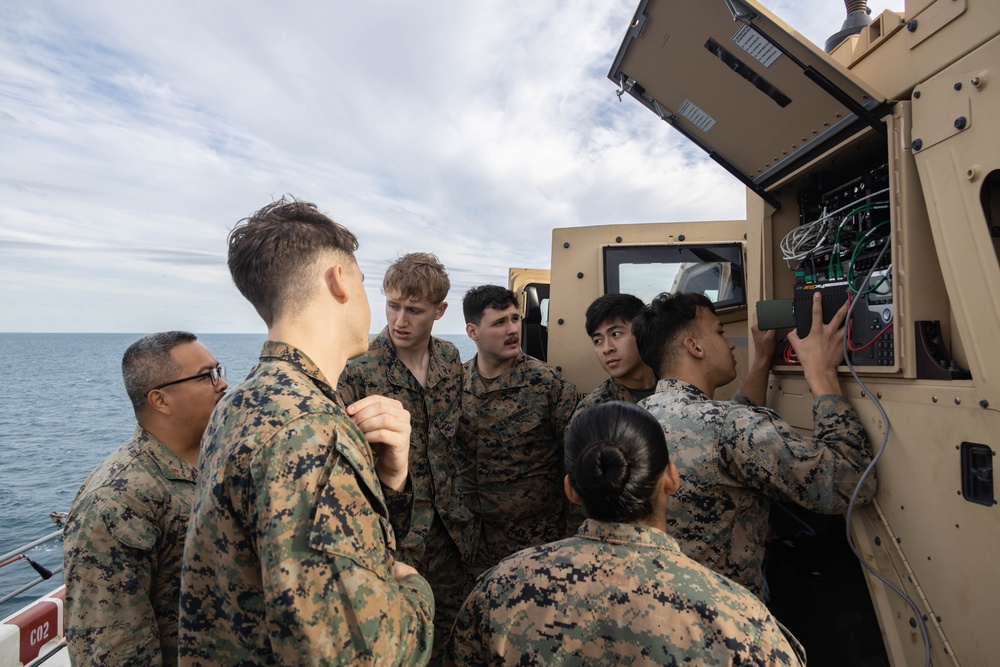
<point>274,350</point>
<point>398,374</point>
<point>629,534</point>
<point>171,465</point>
<point>686,389</point>
<point>512,377</point>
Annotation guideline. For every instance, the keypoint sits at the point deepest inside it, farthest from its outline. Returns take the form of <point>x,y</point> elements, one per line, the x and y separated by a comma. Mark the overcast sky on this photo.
<point>134,135</point>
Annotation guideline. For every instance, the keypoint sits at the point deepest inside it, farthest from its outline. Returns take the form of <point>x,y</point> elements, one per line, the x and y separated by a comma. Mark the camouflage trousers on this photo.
<point>441,564</point>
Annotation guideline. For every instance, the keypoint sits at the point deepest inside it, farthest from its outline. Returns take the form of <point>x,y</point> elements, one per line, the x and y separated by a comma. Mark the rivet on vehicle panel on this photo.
<point>580,274</point>
<point>958,85</point>
<point>960,123</point>
<point>878,541</point>
<point>916,94</point>
<point>913,622</point>
<point>566,244</point>
<point>561,321</point>
<point>958,400</point>
<point>912,25</point>
<point>559,368</point>
<point>972,173</point>
<point>984,403</point>
<point>863,394</point>
<point>934,399</point>
<point>618,239</point>
<point>681,237</point>
<point>879,394</point>
<point>917,144</point>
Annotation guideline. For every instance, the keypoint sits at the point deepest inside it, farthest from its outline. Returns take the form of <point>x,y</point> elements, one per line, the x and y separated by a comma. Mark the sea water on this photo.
<point>63,410</point>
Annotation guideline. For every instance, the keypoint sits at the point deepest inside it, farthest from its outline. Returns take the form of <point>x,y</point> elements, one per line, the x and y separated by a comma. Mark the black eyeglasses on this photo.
<point>217,373</point>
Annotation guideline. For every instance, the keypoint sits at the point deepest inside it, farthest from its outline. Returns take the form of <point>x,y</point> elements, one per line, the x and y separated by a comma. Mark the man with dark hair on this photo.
<point>510,440</point>
<point>735,457</point>
<point>424,373</point>
<point>609,325</point>
<point>289,550</point>
<point>124,535</point>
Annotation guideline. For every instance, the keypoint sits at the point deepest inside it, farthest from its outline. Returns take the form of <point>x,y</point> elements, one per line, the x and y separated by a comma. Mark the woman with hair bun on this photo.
<point>619,592</point>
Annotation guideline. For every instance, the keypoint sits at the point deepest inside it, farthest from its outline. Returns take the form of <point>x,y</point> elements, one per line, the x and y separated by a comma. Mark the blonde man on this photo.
<point>424,373</point>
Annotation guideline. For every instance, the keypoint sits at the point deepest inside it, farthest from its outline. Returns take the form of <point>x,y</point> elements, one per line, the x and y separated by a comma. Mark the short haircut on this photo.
<point>659,326</point>
<point>615,456</point>
<point>478,299</point>
<point>272,254</point>
<point>147,363</point>
<point>417,276</point>
<point>612,308</point>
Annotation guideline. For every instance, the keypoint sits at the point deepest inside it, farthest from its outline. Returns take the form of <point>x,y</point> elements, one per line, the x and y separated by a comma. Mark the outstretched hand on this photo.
<point>386,425</point>
<point>823,349</point>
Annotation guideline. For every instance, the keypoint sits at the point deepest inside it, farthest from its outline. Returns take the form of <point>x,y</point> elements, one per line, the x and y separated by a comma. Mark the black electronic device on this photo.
<point>834,296</point>
<point>775,314</point>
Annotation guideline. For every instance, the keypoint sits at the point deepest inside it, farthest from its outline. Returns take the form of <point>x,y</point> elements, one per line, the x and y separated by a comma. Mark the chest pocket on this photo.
<point>127,526</point>
<point>518,424</point>
<point>346,523</point>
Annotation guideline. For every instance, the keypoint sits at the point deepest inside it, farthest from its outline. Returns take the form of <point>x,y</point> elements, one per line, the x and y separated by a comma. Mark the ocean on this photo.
<point>63,409</point>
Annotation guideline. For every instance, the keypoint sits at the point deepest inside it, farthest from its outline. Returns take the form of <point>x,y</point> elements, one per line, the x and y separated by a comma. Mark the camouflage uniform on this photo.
<point>510,457</point>
<point>438,524</point>
<point>734,458</point>
<point>609,390</point>
<point>616,594</point>
<point>122,545</point>
<point>288,555</point>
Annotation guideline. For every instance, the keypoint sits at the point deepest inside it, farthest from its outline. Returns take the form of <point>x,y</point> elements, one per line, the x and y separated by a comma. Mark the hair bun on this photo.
<point>603,468</point>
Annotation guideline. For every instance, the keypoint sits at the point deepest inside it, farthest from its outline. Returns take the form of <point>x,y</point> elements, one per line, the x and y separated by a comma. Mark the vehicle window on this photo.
<point>645,271</point>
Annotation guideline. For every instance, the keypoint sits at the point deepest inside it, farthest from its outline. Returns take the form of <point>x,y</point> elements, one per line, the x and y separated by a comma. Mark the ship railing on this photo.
<point>35,633</point>
<point>44,573</point>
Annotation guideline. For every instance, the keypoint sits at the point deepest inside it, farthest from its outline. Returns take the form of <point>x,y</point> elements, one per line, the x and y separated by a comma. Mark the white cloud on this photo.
<point>135,136</point>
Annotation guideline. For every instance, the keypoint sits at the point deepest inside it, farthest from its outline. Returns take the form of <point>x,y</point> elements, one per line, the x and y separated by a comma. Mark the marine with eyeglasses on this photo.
<point>124,537</point>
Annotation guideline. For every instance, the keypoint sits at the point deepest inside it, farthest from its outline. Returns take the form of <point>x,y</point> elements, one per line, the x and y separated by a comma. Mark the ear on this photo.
<point>441,307</point>
<point>670,479</point>
<point>571,493</point>
<point>335,279</point>
<point>692,347</point>
<point>470,329</point>
<point>158,400</point>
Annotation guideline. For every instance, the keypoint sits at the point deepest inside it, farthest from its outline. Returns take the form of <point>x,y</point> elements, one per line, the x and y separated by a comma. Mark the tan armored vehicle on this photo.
<point>872,173</point>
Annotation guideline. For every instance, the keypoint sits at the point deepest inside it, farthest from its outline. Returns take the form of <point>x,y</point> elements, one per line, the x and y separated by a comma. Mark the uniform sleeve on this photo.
<point>564,405</point>
<point>779,647</point>
<point>818,473</point>
<point>400,506</point>
<point>108,563</point>
<point>329,593</point>
<point>467,645</point>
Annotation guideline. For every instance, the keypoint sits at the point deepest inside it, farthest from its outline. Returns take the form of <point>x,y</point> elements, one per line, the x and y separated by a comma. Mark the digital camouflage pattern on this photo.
<point>734,458</point>
<point>288,555</point>
<point>122,550</point>
<point>609,390</point>
<point>615,594</point>
<point>510,457</point>
<point>438,523</point>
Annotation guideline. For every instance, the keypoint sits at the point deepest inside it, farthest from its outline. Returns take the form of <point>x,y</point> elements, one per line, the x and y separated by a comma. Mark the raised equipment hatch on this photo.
<point>737,81</point>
